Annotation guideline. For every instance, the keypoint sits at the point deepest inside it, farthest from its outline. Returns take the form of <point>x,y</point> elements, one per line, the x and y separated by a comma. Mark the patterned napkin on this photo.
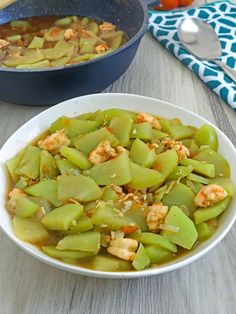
<point>222,17</point>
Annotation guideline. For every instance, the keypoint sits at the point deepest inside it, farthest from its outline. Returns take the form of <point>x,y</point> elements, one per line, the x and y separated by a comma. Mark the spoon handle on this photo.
<point>229,71</point>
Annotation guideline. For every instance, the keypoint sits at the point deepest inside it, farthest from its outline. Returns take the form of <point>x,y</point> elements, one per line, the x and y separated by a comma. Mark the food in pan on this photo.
<point>52,41</point>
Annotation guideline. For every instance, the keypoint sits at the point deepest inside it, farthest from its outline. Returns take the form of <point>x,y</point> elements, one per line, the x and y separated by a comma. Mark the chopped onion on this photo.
<point>169,228</point>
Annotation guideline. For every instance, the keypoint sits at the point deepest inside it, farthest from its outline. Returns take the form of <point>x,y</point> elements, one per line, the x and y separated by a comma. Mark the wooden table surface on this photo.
<point>207,286</point>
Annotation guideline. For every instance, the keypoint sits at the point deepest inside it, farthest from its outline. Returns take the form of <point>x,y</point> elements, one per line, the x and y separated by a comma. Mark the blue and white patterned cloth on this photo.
<point>222,17</point>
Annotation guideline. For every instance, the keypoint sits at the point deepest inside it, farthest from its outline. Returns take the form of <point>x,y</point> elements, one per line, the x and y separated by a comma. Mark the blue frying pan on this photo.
<point>50,86</point>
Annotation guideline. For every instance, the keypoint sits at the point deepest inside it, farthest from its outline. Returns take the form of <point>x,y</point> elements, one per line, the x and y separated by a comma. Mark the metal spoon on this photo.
<point>200,39</point>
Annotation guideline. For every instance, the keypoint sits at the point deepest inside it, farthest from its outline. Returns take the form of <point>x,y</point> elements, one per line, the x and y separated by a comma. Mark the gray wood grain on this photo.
<point>205,287</point>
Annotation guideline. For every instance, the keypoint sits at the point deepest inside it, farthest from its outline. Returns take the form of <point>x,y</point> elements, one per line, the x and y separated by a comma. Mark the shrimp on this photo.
<point>209,195</point>
<point>179,147</point>
<point>144,117</point>
<point>102,153</point>
<point>155,216</point>
<point>106,26</point>
<point>55,141</point>
<point>101,48</point>
<point>70,34</point>
<point>123,248</point>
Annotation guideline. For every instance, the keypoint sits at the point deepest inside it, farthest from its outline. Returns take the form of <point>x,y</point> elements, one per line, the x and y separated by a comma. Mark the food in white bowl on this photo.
<point>134,195</point>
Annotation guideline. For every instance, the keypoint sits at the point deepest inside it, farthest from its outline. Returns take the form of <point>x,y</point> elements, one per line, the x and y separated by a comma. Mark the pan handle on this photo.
<point>151,3</point>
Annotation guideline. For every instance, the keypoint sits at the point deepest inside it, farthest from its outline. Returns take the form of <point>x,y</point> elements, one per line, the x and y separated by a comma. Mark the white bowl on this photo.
<point>104,101</point>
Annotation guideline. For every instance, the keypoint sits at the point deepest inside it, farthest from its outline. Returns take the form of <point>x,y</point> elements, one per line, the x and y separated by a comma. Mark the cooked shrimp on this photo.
<point>101,48</point>
<point>123,248</point>
<point>13,195</point>
<point>70,34</point>
<point>102,153</point>
<point>179,147</point>
<point>53,142</point>
<point>120,149</point>
<point>106,26</point>
<point>155,216</point>
<point>209,195</point>
<point>144,117</point>
<point>4,43</point>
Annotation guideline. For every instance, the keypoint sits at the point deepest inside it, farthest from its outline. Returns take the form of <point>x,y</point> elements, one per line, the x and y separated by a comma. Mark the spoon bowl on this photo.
<point>205,47</point>
<point>201,40</point>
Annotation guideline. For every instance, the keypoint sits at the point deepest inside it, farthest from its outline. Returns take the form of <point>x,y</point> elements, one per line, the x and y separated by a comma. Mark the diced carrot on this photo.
<point>128,229</point>
<point>55,31</point>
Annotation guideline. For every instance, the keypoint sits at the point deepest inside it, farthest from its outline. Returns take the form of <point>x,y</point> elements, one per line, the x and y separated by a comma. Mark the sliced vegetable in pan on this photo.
<point>52,41</point>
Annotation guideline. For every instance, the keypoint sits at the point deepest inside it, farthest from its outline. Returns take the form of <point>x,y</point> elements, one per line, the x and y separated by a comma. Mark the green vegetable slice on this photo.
<point>108,263</point>
<point>82,224</point>
<point>222,168</point>
<point>87,142</point>
<point>200,167</point>
<point>187,233</point>
<point>158,254</point>
<point>141,154</point>
<point>180,195</point>
<point>80,188</point>
<point>121,126</point>
<point>206,135</point>
<point>29,230</point>
<point>116,171</point>
<point>204,214</point>
<point>166,163</point>
<point>86,242</point>
<point>142,131</point>
<point>25,208</point>
<point>45,189</point>
<point>141,259</point>
<point>37,42</point>
<point>155,239</point>
<point>61,218</point>
<point>53,252</point>
<point>29,57</point>
<point>143,178</point>
<point>76,157</point>
<point>29,163</point>
<point>107,216</point>
<point>204,231</point>
<point>48,168</point>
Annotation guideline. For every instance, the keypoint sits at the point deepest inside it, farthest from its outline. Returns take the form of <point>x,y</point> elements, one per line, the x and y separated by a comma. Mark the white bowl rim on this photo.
<point>128,274</point>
